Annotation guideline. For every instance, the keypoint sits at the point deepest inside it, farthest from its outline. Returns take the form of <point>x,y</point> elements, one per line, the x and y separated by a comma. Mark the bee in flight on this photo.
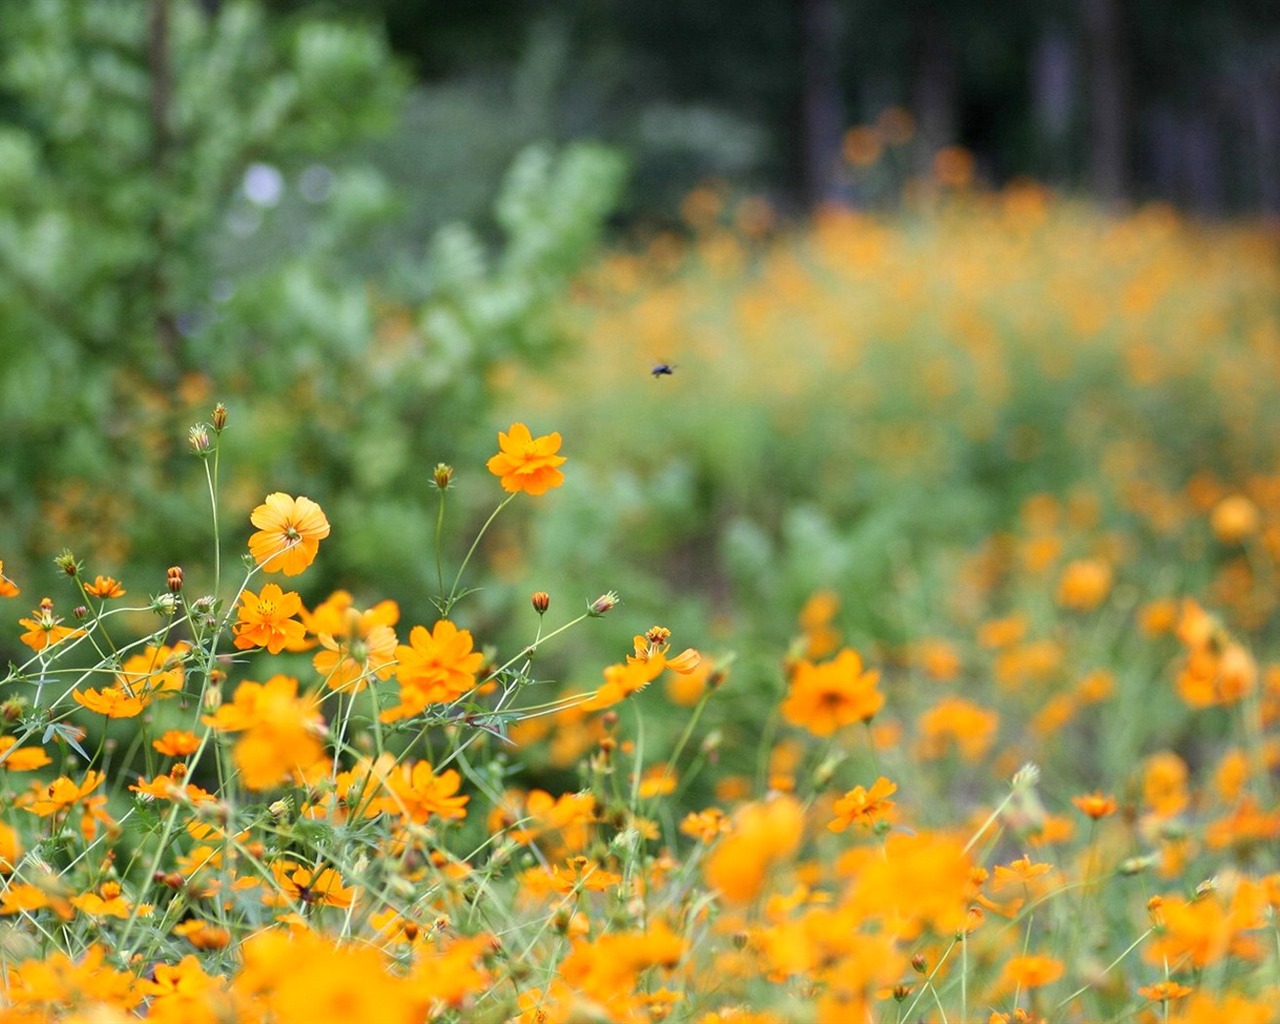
<point>663,370</point>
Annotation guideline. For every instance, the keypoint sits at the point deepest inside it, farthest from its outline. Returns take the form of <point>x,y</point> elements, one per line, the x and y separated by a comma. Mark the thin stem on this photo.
<point>449,601</point>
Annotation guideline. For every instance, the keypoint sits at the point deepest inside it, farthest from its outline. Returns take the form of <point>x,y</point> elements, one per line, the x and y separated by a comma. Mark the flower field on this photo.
<point>874,620</point>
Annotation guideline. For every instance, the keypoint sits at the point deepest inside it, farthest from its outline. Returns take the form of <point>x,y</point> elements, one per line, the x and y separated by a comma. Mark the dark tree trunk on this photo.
<point>935,90</point>
<point>1110,123</point>
<point>821,109</point>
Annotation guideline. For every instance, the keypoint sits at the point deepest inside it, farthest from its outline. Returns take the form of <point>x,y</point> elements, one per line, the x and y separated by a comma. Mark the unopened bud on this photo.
<point>443,475</point>
<point>80,612</point>
<point>175,579</point>
<point>919,964</point>
<point>604,603</point>
<point>219,418</point>
<point>541,601</point>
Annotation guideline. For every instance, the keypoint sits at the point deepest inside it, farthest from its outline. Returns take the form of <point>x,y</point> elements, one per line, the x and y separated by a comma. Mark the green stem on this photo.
<point>449,601</point>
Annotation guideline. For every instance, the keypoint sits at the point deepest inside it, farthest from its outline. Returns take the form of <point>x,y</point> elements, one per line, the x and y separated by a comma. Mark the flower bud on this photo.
<point>443,475</point>
<point>198,440</point>
<point>919,964</point>
<point>219,418</point>
<point>175,579</point>
<point>541,601</point>
<point>604,603</point>
<point>80,612</point>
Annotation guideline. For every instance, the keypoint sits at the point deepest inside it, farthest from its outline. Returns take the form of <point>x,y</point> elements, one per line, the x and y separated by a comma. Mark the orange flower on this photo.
<point>171,787</point>
<point>321,888</point>
<point>955,720</point>
<point>621,681</point>
<point>1095,805</point>
<point>1235,518</point>
<point>435,667</point>
<point>10,848</point>
<point>44,629</point>
<point>1164,784</point>
<point>1084,584</point>
<point>203,935</point>
<point>417,794</point>
<point>61,793</point>
<point>266,619</point>
<point>825,697</point>
<point>913,882</point>
<point>281,730</point>
<point>705,826</point>
<point>56,980</point>
<point>762,837</point>
<point>109,901</point>
<point>867,807</point>
<point>104,587</point>
<point>526,463</point>
<point>363,645</point>
<point>652,648</point>
<point>111,702</point>
<point>7,587</point>
<point>155,669</point>
<point>289,533</point>
<point>1031,971</point>
<point>1163,991</point>
<point>177,743</point>
<point>21,759</point>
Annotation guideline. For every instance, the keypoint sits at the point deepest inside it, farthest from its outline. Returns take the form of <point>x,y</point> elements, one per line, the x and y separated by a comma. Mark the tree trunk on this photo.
<point>821,108</point>
<point>1110,126</point>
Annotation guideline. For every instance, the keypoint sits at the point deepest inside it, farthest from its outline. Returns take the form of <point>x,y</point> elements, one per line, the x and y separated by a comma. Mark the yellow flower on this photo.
<point>526,463</point>
<point>289,533</point>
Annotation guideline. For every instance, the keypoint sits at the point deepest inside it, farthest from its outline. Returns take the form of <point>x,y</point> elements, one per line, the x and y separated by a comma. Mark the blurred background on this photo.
<point>917,266</point>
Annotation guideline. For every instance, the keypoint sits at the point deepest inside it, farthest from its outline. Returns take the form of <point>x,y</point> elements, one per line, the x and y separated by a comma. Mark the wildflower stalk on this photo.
<point>1107,970</point>
<point>439,543</point>
<point>211,481</point>
<point>1024,777</point>
<point>449,601</point>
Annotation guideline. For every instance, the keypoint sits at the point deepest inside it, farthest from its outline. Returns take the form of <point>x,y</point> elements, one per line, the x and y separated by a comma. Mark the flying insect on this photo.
<point>663,370</point>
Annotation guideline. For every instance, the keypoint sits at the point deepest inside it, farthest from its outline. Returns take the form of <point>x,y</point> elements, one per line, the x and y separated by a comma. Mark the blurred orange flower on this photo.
<point>825,697</point>
<point>7,587</point>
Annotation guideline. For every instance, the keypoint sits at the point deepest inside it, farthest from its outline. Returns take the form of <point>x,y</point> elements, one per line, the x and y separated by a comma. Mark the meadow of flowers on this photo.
<point>943,684</point>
